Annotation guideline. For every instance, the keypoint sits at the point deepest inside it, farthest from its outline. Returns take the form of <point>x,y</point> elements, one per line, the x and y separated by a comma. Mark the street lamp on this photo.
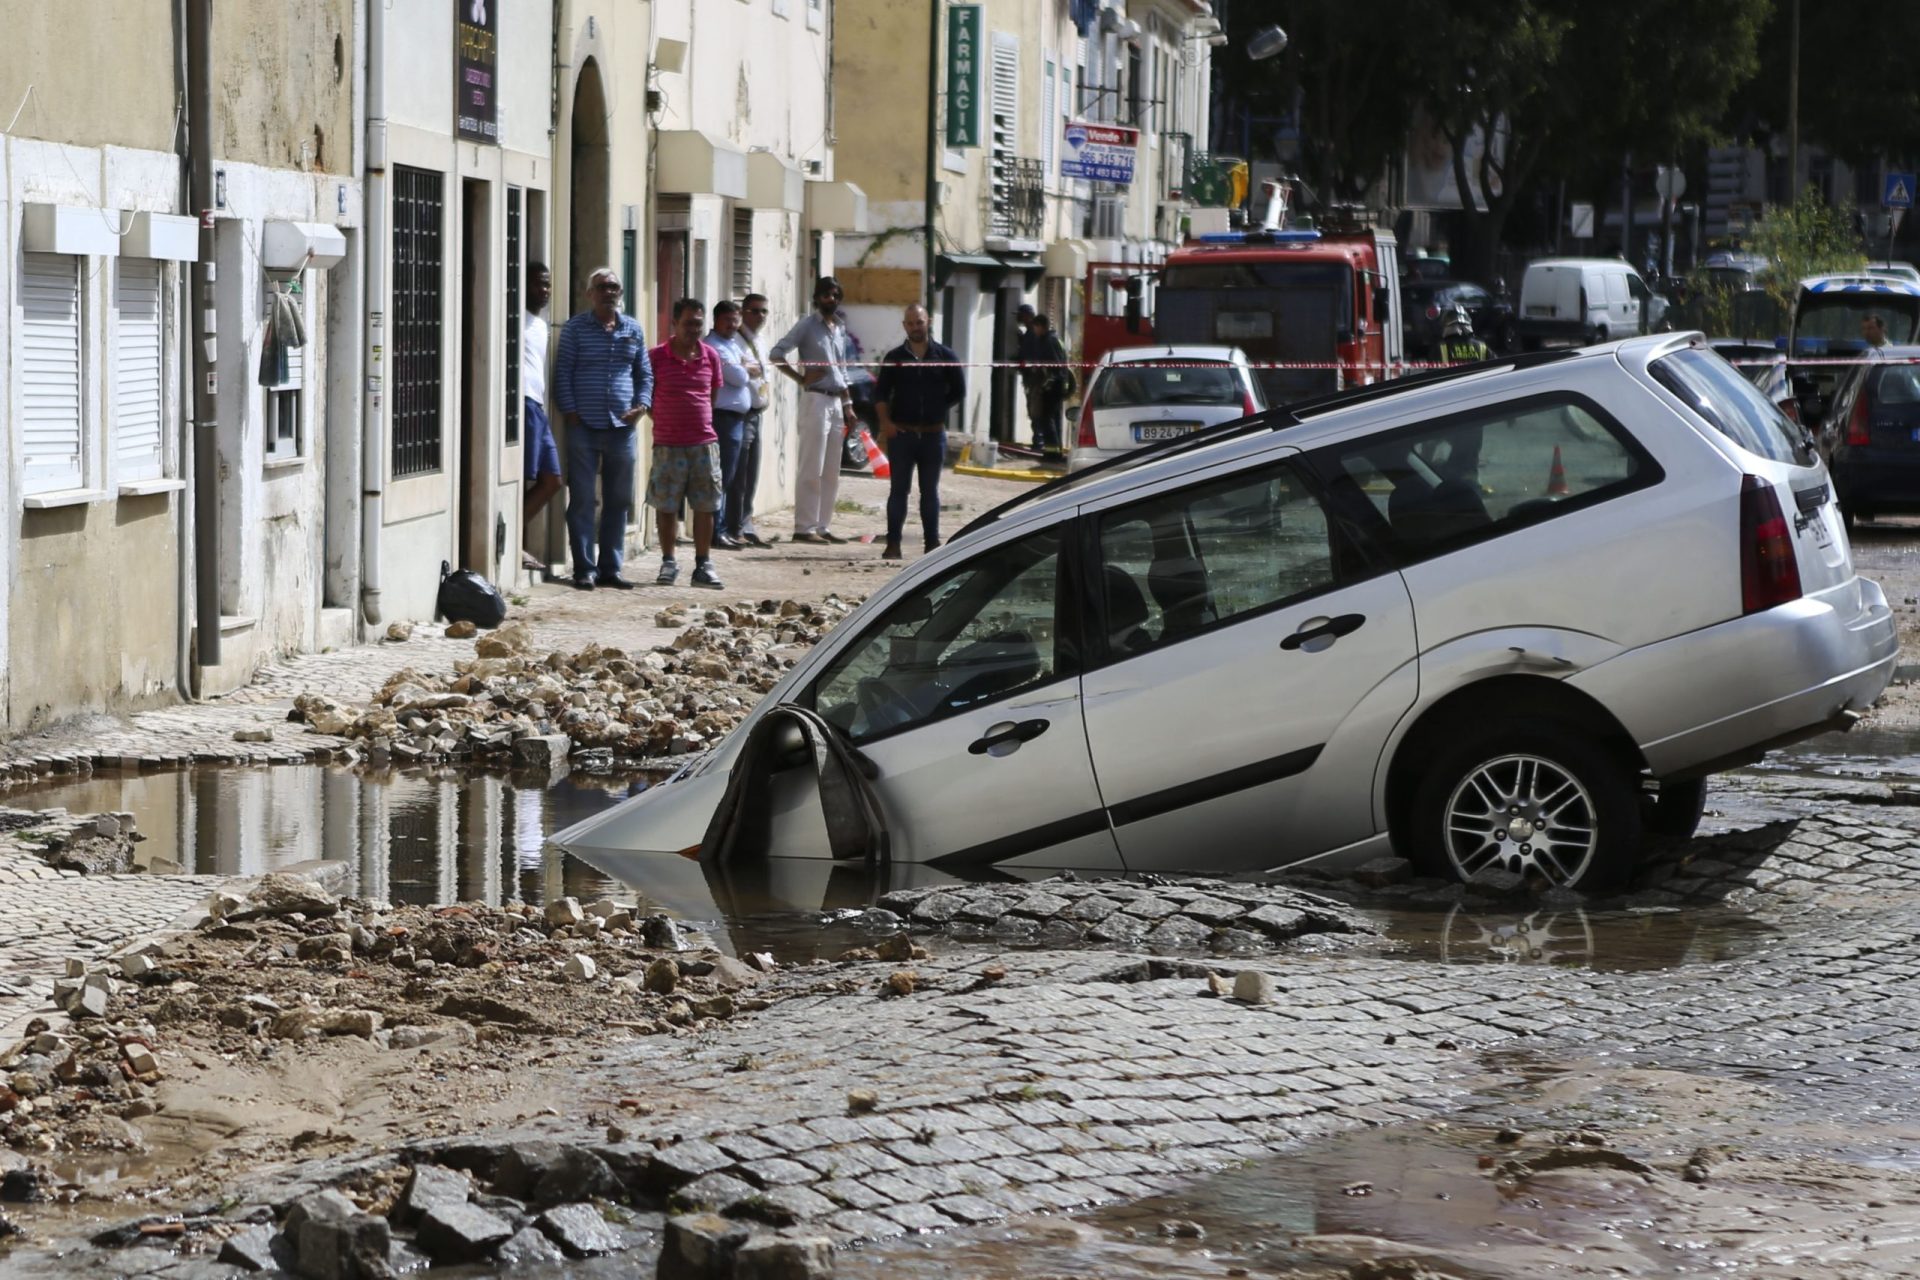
<point>1266,43</point>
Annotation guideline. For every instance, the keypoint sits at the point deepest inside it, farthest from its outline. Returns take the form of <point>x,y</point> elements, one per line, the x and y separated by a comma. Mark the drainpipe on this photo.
<point>935,11</point>
<point>183,505</point>
<point>373,421</point>
<point>206,400</point>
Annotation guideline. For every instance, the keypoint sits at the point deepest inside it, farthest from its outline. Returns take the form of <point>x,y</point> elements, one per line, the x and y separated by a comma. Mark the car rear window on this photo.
<point>1732,405</point>
<point>1131,386</point>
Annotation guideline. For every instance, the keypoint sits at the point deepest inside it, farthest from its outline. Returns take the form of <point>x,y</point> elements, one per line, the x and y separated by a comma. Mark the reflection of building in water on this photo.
<point>450,837</point>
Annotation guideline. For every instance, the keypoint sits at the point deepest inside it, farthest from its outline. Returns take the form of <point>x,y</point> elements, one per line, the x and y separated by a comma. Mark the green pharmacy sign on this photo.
<point>963,75</point>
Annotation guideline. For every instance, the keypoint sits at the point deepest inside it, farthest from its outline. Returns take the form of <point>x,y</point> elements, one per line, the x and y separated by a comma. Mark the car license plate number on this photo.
<point>1144,432</point>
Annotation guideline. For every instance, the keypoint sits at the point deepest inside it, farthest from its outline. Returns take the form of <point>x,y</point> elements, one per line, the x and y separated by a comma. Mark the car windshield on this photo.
<point>1836,317</point>
<point>1132,386</point>
<point>1732,405</point>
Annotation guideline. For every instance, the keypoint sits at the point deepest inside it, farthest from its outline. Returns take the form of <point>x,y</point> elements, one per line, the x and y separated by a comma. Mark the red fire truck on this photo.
<point>1327,298</point>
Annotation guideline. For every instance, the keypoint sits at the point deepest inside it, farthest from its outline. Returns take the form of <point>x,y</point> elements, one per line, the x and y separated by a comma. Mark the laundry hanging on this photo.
<point>285,331</point>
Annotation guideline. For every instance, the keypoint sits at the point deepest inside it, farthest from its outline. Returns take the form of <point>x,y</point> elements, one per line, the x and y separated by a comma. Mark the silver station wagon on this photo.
<point>1503,618</point>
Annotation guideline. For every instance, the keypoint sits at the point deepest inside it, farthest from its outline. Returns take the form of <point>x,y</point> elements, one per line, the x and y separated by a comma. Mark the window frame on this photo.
<point>1323,461</point>
<point>1359,552</point>
<point>164,465</point>
<point>1070,640</point>
<point>42,483</point>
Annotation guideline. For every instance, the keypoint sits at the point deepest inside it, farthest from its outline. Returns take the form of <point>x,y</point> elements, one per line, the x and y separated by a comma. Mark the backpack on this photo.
<point>465,596</point>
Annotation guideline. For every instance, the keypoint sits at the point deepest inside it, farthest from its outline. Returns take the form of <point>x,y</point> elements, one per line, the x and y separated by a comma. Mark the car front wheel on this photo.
<point>1532,798</point>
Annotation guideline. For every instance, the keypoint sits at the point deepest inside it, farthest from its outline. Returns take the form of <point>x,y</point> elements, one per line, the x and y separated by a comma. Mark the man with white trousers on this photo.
<point>826,410</point>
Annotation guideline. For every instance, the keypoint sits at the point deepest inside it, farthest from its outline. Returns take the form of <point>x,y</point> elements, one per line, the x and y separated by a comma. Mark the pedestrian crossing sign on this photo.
<point>1899,192</point>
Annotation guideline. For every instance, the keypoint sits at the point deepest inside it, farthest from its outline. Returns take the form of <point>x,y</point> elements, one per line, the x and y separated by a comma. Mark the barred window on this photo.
<point>418,241</point>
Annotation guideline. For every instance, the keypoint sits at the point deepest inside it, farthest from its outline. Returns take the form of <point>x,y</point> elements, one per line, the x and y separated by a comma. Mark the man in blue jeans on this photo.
<point>602,383</point>
<point>731,405</point>
<point>919,384</point>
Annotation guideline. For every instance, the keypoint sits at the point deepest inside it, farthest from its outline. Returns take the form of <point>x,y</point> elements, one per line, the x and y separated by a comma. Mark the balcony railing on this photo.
<point>1017,202</point>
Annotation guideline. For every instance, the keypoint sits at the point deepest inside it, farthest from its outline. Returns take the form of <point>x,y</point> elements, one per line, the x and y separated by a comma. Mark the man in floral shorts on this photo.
<point>686,450</point>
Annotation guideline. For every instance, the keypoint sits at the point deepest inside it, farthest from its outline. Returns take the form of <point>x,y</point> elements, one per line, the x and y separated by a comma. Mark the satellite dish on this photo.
<point>1266,43</point>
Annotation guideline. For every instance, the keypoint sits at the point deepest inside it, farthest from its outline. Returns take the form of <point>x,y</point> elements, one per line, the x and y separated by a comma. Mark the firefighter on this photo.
<point>1457,343</point>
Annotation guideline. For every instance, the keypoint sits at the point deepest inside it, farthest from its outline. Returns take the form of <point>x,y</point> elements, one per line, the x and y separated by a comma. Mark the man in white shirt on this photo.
<point>753,318</point>
<point>542,454</point>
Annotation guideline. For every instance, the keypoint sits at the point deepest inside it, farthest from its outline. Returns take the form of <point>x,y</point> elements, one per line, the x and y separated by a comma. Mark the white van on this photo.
<point>1581,300</point>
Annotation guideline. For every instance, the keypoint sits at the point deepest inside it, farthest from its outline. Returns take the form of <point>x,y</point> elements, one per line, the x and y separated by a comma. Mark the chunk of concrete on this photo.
<point>542,750</point>
<point>528,1247</point>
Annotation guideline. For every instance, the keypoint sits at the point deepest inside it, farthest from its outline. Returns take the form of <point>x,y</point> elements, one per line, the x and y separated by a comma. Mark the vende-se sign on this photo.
<point>1099,152</point>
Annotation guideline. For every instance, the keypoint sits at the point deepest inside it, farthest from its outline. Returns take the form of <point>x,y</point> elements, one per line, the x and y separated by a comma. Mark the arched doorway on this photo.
<point>588,195</point>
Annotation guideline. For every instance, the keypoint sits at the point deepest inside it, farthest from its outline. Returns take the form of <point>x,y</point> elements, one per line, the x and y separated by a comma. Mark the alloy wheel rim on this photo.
<point>1522,814</point>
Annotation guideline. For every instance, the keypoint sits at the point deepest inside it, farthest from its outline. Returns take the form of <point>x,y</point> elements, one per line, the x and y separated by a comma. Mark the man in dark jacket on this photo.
<point>920,382</point>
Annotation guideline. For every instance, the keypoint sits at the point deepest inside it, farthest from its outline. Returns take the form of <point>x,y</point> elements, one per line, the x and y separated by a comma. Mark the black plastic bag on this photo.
<point>465,596</point>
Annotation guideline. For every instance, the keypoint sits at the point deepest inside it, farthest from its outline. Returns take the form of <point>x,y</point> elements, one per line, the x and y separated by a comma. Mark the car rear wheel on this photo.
<point>1532,798</point>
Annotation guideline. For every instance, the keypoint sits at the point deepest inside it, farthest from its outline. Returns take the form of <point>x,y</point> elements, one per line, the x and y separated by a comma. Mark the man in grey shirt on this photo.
<point>826,410</point>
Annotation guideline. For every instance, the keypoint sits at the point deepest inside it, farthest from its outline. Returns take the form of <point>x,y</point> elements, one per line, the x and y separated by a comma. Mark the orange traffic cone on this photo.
<point>881,469</point>
<point>1557,477</point>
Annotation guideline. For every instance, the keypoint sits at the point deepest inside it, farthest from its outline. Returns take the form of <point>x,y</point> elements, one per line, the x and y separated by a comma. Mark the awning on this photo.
<point>689,162</point>
<point>836,206</point>
<point>1068,259</point>
<point>992,266</point>
<point>64,228</point>
<point>166,236</point>
<point>296,246</point>
<point>772,183</point>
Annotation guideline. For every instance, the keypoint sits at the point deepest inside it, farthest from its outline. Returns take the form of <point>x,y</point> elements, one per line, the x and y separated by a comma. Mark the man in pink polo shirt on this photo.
<point>686,450</point>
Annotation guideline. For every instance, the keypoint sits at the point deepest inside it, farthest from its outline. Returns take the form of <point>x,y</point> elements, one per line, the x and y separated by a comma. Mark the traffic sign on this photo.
<point>1899,192</point>
<point>1670,184</point>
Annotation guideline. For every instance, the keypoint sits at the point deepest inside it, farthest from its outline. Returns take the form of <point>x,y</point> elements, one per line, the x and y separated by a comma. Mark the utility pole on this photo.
<point>206,400</point>
<point>1793,107</point>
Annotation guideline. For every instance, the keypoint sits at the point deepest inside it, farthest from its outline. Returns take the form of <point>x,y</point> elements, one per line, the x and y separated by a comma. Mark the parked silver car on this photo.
<point>1501,618</point>
<point>1145,395</point>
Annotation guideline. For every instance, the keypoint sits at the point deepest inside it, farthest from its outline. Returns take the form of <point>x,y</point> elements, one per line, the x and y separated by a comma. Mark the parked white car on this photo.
<point>1144,395</point>
<point>1501,618</point>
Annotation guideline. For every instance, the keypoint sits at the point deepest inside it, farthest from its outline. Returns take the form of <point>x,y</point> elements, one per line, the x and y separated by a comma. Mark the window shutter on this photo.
<point>296,369</point>
<point>137,398</point>
<point>50,372</point>
<point>1006,92</point>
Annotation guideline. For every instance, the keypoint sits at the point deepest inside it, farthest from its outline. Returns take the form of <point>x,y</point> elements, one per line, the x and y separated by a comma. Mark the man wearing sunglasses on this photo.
<point>602,383</point>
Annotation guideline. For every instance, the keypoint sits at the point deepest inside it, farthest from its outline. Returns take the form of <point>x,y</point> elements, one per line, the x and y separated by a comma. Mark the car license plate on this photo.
<point>1145,432</point>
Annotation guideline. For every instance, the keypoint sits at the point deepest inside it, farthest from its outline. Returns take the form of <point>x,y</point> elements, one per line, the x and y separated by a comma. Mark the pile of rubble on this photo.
<point>592,709</point>
<point>93,844</point>
<point>290,965</point>
<point>536,1203</point>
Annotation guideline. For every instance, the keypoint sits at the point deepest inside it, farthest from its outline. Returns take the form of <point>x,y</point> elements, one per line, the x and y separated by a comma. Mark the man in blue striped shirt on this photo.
<point>602,383</point>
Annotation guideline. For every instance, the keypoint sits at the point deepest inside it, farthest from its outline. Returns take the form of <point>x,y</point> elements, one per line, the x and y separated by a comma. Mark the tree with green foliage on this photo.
<point>1806,238</point>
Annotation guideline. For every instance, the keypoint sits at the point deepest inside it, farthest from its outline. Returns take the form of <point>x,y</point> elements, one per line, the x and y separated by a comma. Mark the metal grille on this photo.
<point>516,274</point>
<point>1018,193</point>
<point>417,252</point>
<point>742,253</point>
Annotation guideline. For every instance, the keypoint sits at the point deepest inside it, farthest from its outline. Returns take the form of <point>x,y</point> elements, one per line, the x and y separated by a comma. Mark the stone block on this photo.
<point>460,1232</point>
<point>528,1247</point>
<point>431,1185</point>
<point>700,1247</point>
<point>580,1230</point>
<point>564,911</point>
<point>784,1257</point>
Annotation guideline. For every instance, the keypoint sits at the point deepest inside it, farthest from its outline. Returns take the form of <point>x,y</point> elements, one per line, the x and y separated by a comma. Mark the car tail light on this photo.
<point>1769,573</point>
<point>1086,438</point>
<point>1247,406</point>
<point>1857,432</point>
<point>1792,409</point>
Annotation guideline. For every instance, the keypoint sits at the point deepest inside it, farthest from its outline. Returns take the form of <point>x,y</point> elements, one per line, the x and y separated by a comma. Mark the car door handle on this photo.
<point>1022,731</point>
<point>1327,629</point>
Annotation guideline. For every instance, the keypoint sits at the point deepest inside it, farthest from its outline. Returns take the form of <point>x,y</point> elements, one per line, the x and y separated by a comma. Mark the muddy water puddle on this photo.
<point>1399,1192</point>
<point>1576,938</point>
<point>1879,754</point>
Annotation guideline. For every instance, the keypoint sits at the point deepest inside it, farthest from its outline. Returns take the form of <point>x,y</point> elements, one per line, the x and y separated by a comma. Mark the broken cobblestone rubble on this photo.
<point>591,707</point>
